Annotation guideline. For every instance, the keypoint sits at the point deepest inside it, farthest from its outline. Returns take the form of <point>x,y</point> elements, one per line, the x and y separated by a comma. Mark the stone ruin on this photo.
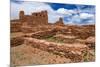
<point>35,18</point>
<point>75,53</point>
<point>27,23</point>
<point>36,24</point>
<point>59,22</point>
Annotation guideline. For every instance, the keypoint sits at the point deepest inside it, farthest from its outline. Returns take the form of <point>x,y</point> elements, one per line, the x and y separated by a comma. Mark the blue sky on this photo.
<point>71,13</point>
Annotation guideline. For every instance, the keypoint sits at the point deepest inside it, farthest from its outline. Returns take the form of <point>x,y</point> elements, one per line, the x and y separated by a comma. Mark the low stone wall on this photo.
<point>44,34</point>
<point>36,28</point>
<point>15,41</point>
<point>15,27</point>
<point>72,51</point>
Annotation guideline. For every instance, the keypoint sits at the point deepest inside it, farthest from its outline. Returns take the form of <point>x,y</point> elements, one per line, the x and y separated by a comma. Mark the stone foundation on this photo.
<point>73,51</point>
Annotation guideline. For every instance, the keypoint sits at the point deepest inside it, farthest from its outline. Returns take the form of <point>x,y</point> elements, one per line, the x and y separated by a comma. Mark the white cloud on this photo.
<point>30,7</point>
<point>53,15</point>
<point>86,15</point>
<point>66,11</point>
<point>83,18</point>
<point>62,11</point>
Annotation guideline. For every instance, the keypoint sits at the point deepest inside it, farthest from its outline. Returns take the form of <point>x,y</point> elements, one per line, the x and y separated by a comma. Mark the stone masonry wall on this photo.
<point>38,18</point>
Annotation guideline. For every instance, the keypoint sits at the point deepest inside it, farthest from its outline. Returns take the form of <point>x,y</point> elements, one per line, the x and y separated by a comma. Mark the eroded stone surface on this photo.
<point>71,51</point>
<point>27,55</point>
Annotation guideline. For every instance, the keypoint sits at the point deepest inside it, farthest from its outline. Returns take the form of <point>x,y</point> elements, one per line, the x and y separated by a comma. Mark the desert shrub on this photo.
<point>87,56</point>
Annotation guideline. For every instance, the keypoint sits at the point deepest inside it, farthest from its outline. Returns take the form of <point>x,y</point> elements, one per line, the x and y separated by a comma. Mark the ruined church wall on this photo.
<point>38,18</point>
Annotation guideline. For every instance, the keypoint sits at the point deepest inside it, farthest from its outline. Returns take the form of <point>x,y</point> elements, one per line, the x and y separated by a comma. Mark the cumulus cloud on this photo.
<point>76,16</point>
<point>62,11</point>
<point>66,11</point>
<point>70,16</point>
<point>86,15</point>
<point>30,7</point>
<point>83,18</point>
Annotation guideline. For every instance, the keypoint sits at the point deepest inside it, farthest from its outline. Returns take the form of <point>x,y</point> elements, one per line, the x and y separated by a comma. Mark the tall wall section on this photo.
<point>38,18</point>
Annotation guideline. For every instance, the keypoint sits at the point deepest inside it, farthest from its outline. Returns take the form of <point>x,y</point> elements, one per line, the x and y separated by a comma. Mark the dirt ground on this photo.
<point>27,55</point>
